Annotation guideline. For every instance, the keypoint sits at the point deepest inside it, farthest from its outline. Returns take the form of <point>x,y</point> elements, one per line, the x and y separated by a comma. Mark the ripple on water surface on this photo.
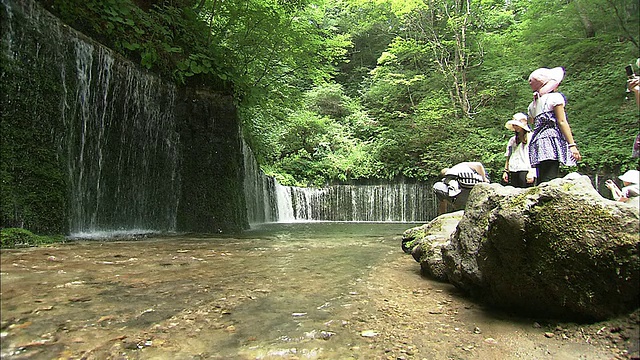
<point>274,291</point>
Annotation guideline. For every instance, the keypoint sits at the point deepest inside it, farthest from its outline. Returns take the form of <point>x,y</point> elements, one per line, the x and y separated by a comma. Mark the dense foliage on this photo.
<point>338,90</point>
<point>16,237</point>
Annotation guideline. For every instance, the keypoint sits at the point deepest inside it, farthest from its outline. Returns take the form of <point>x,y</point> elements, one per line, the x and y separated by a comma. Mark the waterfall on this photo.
<point>262,206</point>
<point>123,146</point>
<point>269,201</point>
<point>394,202</point>
<point>284,203</point>
<point>111,124</point>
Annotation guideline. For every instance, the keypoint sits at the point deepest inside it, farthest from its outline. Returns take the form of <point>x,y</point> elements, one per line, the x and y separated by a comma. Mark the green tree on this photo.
<point>422,83</point>
<point>371,26</point>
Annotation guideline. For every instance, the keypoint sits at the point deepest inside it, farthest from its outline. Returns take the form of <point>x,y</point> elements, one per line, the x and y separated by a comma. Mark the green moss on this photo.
<point>519,200</point>
<point>573,240</point>
<point>16,237</point>
<point>32,170</point>
<point>570,219</point>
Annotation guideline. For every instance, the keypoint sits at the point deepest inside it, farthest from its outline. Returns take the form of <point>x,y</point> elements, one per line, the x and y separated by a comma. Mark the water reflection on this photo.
<point>279,291</point>
<point>328,229</point>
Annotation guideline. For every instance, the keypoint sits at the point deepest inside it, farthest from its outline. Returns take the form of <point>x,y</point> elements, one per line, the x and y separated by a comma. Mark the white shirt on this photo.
<point>630,191</point>
<point>545,103</point>
<point>465,175</point>
<point>519,159</point>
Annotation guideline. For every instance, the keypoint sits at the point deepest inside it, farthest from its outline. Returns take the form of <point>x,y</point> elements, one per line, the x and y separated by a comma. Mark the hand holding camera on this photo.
<point>634,84</point>
<point>615,190</point>
<point>633,81</point>
<point>610,185</point>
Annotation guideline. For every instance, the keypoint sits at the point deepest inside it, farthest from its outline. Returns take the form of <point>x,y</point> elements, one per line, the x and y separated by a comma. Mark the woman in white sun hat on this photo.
<point>552,142</point>
<point>630,181</point>
<point>517,168</point>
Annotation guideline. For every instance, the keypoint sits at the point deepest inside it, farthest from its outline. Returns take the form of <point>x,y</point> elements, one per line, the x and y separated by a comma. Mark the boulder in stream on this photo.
<point>558,249</point>
<point>425,243</point>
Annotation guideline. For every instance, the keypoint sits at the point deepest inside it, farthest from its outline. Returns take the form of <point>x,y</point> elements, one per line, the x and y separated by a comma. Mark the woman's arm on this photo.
<point>505,173</point>
<point>615,190</point>
<point>531,175</point>
<point>533,172</point>
<point>479,168</point>
<point>634,86</point>
<point>565,129</point>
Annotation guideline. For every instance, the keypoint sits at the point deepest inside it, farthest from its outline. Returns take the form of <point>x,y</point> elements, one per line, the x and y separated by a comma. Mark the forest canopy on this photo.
<point>343,90</point>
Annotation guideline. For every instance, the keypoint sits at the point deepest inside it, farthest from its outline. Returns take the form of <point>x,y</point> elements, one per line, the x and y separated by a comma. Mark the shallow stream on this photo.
<point>280,291</point>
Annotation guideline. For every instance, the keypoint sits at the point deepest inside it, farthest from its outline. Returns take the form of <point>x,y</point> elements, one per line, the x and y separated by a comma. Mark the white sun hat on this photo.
<point>519,120</point>
<point>631,176</point>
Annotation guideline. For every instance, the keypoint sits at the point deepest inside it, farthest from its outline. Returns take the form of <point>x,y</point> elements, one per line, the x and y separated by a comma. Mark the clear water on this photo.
<point>275,291</point>
<point>317,290</point>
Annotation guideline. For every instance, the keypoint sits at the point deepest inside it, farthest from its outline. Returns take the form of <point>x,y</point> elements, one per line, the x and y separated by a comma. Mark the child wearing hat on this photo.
<point>552,141</point>
<point>630,180</point>
<point>517,168</point>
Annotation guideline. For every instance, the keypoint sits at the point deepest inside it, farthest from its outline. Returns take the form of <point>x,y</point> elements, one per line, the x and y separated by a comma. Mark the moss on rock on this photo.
<point>16,237</point>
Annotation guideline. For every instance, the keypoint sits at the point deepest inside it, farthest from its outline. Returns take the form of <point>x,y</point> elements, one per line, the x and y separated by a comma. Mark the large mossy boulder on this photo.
<point>425,243</point>
<point>558,249</point>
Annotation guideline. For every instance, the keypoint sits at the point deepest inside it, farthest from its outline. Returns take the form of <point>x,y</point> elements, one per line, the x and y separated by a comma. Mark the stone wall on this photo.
<point>212,198</point>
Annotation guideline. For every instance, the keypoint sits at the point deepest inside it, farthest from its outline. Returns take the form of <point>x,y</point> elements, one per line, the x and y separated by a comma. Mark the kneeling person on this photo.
<point>631,189</point>
<point>456,184</point>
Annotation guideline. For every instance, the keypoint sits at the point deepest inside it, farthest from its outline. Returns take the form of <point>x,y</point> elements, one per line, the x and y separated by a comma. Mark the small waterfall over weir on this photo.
<point>268,201</point>
<point>398,202</point>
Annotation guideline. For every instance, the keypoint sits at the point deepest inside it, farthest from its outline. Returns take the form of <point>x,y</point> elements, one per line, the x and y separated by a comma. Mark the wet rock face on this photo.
<point>425,243</point>
<point>558,249</point>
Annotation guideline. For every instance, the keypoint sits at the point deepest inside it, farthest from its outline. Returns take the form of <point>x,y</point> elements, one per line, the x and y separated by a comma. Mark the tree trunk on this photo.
<point>589,30</point>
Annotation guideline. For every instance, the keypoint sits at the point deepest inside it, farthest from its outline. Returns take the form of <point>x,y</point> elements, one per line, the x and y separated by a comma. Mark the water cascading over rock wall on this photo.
<point>399,201</point>
<point>260,191</point>
<point>91,143</point>
<point>122,145</point>
<point>396,201</point>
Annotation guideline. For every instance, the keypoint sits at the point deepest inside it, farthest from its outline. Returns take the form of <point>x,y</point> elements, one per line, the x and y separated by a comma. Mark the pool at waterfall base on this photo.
<point>278,291</point>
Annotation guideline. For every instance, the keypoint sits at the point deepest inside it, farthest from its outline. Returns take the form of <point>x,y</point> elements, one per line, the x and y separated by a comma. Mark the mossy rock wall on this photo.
<point>33,171</point>
<point>90,142</point>
<point>212,197</point>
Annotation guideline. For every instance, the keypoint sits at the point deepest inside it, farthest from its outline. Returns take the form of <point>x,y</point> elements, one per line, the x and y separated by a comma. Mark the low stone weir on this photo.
<point>399,201</point>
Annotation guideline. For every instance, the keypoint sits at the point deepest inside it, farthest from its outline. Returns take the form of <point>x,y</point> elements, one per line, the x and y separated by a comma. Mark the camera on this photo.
<point>629,70</point>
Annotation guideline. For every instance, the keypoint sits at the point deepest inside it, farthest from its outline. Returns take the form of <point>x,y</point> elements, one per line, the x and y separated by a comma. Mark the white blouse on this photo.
<point>518,155</point>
